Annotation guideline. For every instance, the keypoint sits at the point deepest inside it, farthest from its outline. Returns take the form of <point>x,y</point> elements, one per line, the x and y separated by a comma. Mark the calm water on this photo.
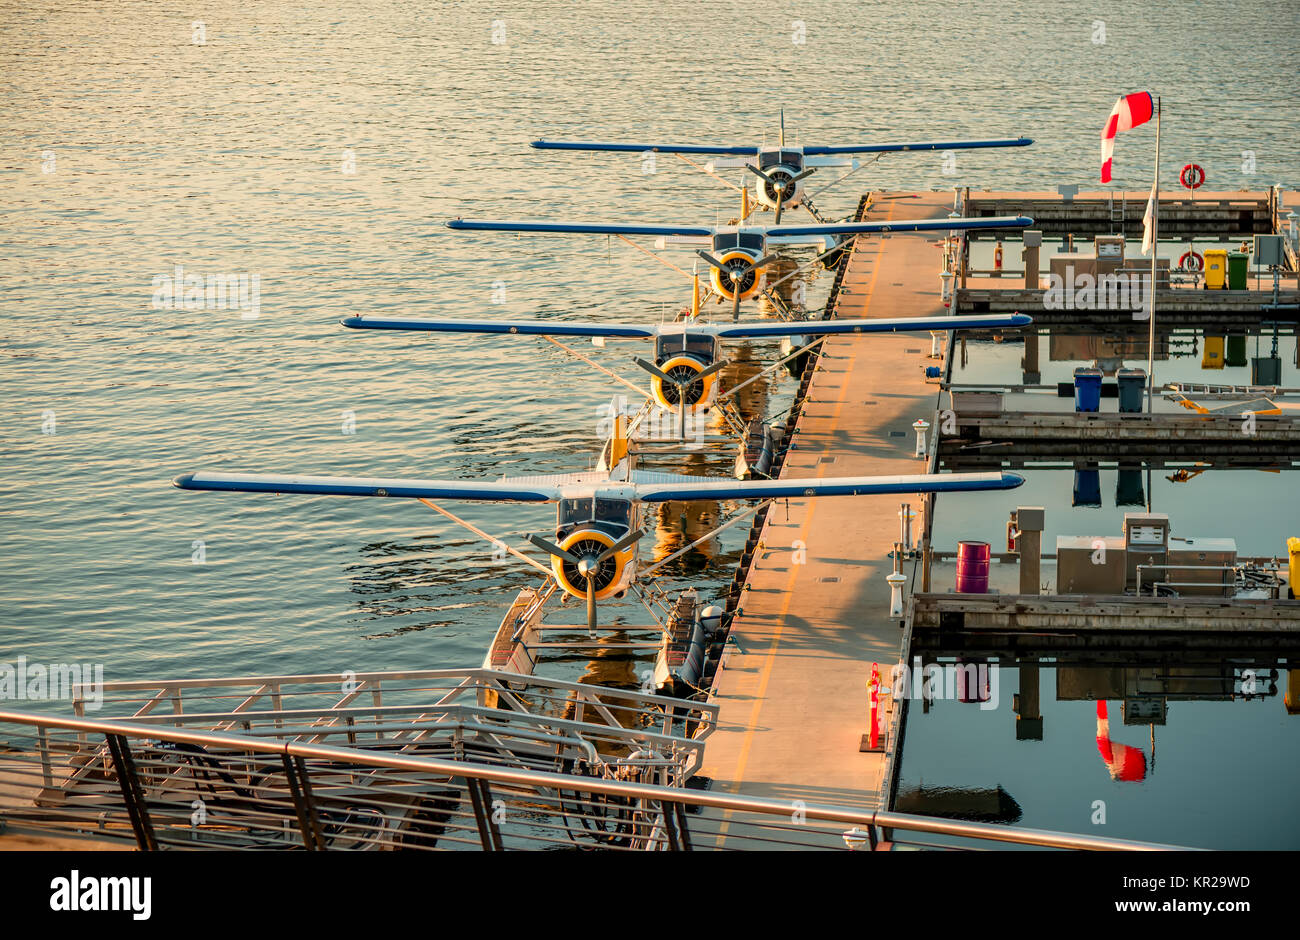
<point>226,158</point>
<point>1179,778</point>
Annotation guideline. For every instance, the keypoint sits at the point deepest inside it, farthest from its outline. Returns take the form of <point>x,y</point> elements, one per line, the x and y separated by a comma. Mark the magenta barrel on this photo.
<point>972,567</point>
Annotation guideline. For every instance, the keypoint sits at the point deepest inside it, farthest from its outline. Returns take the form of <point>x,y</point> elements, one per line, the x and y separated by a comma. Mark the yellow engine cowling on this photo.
<point>609,581</point>
<point>707,386</point>
<point>722,282</point>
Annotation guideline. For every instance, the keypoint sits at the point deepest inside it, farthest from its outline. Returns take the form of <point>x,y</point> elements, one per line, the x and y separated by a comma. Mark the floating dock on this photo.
<point>812,610</point>
<point>812,616</point>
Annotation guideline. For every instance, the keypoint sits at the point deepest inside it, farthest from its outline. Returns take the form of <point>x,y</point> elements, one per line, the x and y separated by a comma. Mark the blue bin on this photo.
<point>1087,390</point>
<point>1087,488</point>
<point>1128,487</point>
<point>1132,387</point>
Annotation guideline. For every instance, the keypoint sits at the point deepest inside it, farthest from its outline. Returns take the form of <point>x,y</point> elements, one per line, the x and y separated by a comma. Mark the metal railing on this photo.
<point>538,718</point>
<point>1224,586</point>
<point>168,787</point>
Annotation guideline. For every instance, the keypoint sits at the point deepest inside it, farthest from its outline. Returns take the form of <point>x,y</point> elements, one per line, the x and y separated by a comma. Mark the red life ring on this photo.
<point>1192,176</point>
<point>1191,261</point>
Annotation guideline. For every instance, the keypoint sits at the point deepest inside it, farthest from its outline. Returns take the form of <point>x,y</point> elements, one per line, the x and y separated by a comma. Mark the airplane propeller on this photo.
<point>735,271</point>
<point>681,383</point>
<point>588,565</point>
<point>779,184</point>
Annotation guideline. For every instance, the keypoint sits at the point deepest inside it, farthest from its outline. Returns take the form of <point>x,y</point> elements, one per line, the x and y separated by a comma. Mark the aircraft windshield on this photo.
<point>576,511</point>
<point>700,345</point>
<point>729,241</point>
<point>790,158</point>
<point>617,511</point>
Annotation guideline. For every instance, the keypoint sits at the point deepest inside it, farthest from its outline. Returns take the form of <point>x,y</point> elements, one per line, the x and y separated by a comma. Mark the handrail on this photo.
<point>1176,567</point>
<point>554,781</point>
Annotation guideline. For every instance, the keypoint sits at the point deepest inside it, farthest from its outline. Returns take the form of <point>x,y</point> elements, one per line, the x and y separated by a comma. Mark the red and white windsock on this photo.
<point>1128,113</point>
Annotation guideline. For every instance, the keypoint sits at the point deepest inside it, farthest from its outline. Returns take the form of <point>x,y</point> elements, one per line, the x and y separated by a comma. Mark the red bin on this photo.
<point>973,567</point>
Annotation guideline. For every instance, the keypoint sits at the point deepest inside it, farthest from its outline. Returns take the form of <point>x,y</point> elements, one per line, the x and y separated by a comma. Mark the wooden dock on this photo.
<point>1001,624</point>
<point>813,615</point>
<point>1176,308</point>
<point>1026,434</point>
<point>1183,214</point>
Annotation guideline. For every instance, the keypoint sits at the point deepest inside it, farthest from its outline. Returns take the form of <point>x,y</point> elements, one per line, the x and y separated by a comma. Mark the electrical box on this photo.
<point>1146,542</point>
<point>1268,250</point>
<point>1201,555</point>
<point>1146,710</point>
<point>1030,518</point>
<point>1090,564</point>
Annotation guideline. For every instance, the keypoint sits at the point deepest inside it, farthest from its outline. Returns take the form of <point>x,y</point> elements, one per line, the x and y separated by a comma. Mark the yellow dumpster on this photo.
<point>1293,546</point>
<point>1212,358</point>
<point>1216,268</point>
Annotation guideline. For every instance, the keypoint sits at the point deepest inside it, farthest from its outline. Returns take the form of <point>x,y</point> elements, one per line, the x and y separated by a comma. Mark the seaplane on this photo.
<point>781,170</point>
<point>599,515</point>
<point>687,354</point>
<point>737,255</point>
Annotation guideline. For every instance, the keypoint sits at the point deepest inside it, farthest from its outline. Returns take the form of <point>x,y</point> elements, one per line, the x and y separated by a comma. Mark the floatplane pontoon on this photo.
<point>782,169</point>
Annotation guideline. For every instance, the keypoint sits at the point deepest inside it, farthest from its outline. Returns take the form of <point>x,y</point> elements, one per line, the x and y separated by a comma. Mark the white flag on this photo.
<point>1148,222</point>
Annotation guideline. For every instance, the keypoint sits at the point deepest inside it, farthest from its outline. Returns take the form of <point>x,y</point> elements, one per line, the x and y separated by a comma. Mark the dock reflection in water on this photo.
<point>1169,750</point>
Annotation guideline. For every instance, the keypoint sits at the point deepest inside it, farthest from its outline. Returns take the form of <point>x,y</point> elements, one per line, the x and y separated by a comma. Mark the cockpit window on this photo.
<point>573,511</point>
<point>700,345</point>
<point>790,158</point>
<point>578,511</point>
<point>617,511</point>
<point>729,241</point>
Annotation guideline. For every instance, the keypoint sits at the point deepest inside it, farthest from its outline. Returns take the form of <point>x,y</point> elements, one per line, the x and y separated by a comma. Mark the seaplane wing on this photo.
<point>618,147</point>
<point>516,327</point>
<point>721,330</point>
<point>891,325</point>
<point>657,492</point>
<point>736,151</point>
<point>540,489</point>
<point>650,487</point>
<point>580,228</point>
<point>793,234</point>
<point>920,145</point>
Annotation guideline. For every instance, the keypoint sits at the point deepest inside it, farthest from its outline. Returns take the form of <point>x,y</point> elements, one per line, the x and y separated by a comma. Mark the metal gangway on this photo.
<point>484,714</point>
<point>162,785</point>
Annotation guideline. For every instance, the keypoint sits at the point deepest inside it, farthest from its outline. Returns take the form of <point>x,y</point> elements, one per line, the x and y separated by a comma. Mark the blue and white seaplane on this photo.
<point>687,353</point>
<point>781,169</point>
<point>738,254</point>
<point>599,514</point>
